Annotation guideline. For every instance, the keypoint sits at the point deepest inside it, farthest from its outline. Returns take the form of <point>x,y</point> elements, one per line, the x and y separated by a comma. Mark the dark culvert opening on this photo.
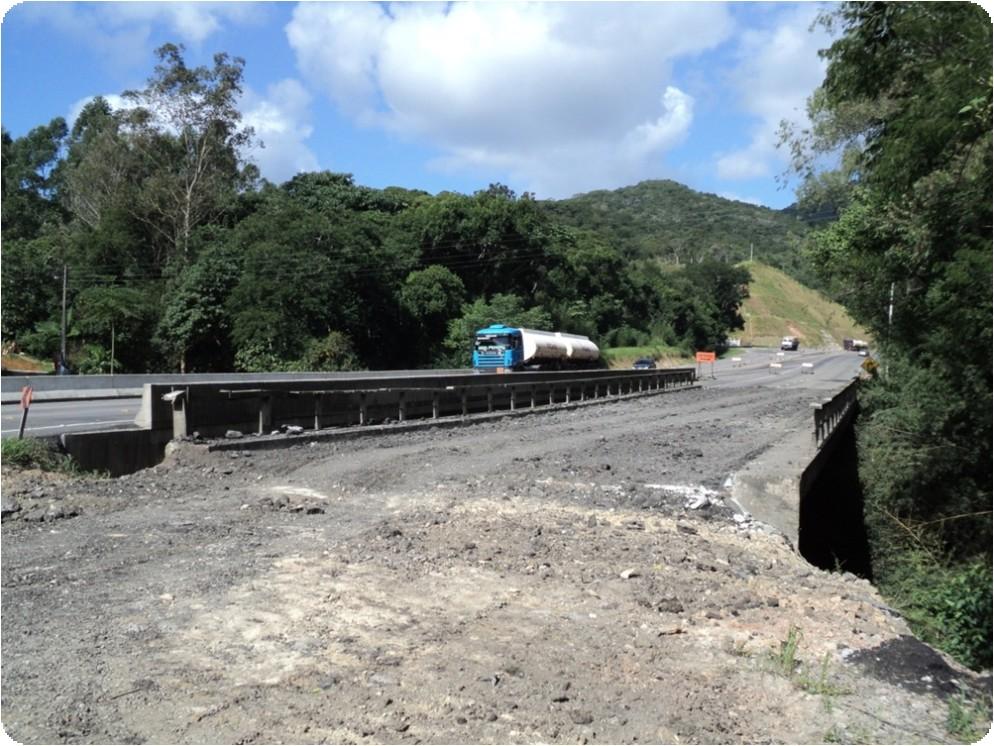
<point>832,533</point>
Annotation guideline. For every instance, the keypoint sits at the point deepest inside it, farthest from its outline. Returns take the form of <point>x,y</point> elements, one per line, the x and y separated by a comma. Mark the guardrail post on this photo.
<point>434,405</point>
<point>568,388</point>
<point>363,412</point>
<point>552,394</point>
<point>465,409</point>
<point>490,399</point>
<point>265,414</point>
<point>513,392</point>
<point>583,391</point>
<point>318,410</point>
<point>401,407</point>
<point>178,401</point>
<point>533,395</point>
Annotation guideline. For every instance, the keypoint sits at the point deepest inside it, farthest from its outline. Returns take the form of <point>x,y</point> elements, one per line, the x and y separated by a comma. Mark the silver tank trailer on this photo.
<point>541,346</point>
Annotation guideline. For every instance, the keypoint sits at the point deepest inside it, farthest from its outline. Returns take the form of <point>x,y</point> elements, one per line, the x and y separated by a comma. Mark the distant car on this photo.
<point>863,352</point>
<point>788,343</point>
<point>644,363</point>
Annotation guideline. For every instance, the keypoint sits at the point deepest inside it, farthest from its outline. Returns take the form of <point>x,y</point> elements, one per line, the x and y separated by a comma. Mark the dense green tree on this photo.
<point>30,180</point>
<point>117,320</point>
<point>907,98</point>
<point>31,283</point>
<point>195,327</point>
<point>502,308</point>
<point>724,286</point>
<point>171,157</point>
<point>430,297</point>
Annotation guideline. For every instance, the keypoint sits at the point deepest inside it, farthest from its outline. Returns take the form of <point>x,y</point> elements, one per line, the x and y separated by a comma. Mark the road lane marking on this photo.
<point>71,424</point>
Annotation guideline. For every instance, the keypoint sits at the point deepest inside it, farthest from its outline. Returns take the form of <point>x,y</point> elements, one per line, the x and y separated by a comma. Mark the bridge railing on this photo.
<point>212,409</point>
<point>829,413</point>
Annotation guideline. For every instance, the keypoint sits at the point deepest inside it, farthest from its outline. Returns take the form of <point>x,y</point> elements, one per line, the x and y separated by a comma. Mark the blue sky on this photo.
<point>552,98</point>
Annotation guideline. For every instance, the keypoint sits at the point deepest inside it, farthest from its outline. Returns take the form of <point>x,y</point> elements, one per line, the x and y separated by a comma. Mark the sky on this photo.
<point>555,99</point>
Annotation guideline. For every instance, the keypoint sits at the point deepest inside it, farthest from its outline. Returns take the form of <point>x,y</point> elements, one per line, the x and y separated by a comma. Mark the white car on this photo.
<point>788,343</point>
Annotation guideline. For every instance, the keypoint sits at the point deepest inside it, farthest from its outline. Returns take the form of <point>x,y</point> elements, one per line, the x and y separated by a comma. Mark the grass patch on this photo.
<point>786,663</point>
<point>17,362</point>
<point>785,659</point>
<point>968,720</point>
<point>32,453</point>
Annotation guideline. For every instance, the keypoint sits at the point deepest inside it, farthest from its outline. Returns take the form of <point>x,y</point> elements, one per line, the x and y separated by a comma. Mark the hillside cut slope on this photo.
<point>779,305</point>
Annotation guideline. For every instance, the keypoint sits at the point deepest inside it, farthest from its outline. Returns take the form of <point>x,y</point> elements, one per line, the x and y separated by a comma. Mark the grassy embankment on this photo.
<point>15,362</point>
<point>779,306</point>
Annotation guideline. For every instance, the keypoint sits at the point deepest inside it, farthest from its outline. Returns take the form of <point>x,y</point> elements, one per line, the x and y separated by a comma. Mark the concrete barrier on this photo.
<point>212,409</point>
<point>319,404</point>
<point>47,387</point>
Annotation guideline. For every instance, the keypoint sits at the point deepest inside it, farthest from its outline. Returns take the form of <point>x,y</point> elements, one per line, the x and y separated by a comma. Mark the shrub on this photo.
<point>32,453</point>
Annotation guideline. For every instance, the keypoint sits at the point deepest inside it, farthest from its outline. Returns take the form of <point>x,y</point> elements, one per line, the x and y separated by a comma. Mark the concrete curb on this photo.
<point>63,396</point>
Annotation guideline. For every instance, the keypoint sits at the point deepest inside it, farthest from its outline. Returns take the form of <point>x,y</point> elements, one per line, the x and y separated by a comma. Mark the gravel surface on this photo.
<point>574,577</point>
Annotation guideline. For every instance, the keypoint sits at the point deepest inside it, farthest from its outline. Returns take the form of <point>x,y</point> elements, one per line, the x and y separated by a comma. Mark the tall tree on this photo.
<point>30,179</point>
<point>173,156</point>
<point>907,96</point>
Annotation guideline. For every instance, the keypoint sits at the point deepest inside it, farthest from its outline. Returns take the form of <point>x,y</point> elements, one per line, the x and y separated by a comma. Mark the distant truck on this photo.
<point>789,343</point>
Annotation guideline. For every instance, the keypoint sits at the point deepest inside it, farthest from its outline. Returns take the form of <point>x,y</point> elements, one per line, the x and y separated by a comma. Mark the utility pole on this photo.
<point>890,318</point>
<point>65,284</point>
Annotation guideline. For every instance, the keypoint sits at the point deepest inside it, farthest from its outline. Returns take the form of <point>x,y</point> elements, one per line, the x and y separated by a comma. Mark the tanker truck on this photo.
<point>506,348</point>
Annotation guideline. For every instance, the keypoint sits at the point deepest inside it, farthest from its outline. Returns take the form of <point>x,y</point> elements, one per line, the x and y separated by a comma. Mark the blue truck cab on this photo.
<point>498,346</point>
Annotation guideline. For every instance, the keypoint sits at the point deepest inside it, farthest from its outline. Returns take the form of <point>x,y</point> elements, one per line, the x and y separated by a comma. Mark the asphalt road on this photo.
<point>54,418</point>
<point>829,372</point>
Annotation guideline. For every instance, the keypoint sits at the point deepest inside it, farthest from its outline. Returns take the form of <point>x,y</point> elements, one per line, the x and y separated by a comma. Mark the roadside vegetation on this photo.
<point>34,453</point>
<point>906,107</point>
<point>180,257</point>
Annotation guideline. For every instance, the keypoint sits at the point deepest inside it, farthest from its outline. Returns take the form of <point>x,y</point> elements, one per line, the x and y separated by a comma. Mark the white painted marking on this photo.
<point>71,424</point>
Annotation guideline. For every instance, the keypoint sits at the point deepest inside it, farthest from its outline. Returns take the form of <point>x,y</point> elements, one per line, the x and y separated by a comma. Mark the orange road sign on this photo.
<point>705,357</point>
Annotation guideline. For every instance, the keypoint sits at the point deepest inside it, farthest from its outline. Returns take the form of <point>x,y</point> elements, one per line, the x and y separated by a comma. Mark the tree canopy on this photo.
<point>906,105</point>
<point>176,249</point>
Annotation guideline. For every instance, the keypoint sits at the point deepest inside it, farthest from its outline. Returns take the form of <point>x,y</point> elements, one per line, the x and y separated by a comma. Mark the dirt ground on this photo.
<point>571,577</point>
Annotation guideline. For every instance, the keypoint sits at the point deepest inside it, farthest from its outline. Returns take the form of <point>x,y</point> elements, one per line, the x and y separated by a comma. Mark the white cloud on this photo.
<point>564,96</point>
<point>280,119</point>
<point>738,198</point>
<point>777,70</point>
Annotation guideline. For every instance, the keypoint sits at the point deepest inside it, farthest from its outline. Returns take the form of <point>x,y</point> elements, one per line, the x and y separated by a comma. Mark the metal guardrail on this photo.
<point>830,412</point>
<point>209,409</point>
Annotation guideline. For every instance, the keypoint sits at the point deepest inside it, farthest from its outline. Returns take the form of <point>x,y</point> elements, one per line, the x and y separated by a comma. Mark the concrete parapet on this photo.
<point>210,409</point>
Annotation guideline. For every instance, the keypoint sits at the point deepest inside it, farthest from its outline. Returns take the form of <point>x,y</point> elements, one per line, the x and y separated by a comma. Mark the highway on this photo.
<point>54,418</point>
<point>830,372</point>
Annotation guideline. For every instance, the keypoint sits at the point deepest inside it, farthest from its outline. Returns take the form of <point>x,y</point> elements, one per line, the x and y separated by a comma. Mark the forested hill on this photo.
<point>673,222</point>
